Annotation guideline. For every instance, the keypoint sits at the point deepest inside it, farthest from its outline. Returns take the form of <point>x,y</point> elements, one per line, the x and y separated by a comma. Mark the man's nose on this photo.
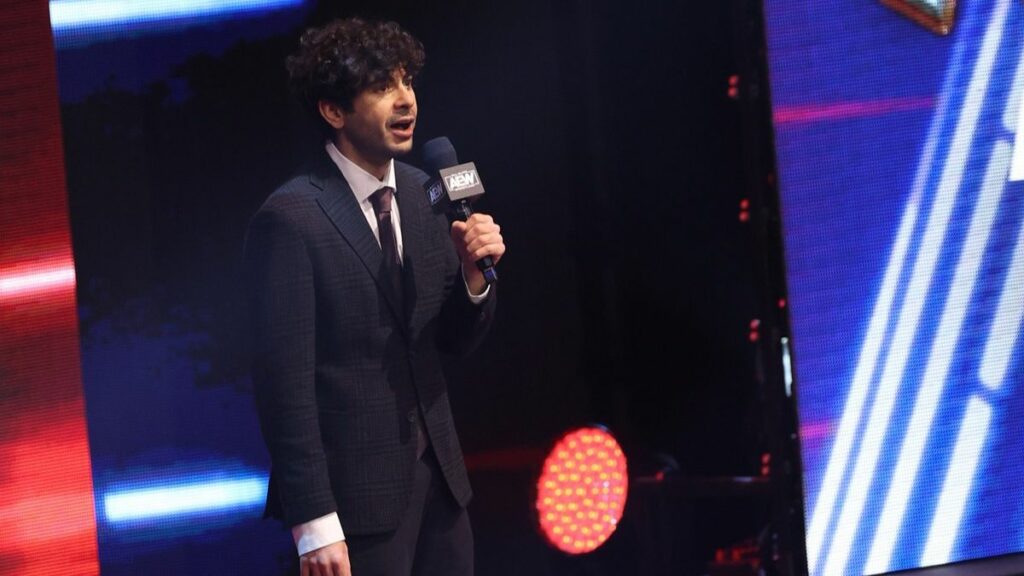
<point>406,96</point>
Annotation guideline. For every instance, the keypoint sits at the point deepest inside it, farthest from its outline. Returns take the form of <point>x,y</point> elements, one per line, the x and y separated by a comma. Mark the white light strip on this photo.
<point>920,282</point>
<point>957,486</point>
<point>839,458</point>
<point>183,498</point>
<point>32,283</point>
<point>69,14</point>
<point>946,338</point>
<point>1007,323</point>
<point>1017,164</point>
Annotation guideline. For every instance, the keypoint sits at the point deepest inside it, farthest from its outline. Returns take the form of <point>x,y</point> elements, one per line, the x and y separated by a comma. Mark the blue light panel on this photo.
<point>904,230</point>
<point>67,15</point>
<point>175,498</point>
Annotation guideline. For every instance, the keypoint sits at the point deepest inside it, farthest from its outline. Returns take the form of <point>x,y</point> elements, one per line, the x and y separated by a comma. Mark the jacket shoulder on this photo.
<point>294,194</point>
<point>409,175</point>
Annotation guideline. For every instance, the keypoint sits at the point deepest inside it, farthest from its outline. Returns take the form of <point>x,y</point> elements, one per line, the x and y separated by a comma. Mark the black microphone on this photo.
<point>452,186</point>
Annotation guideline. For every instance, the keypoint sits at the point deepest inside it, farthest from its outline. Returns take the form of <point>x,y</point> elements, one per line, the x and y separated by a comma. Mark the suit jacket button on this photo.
<point>412,416</point>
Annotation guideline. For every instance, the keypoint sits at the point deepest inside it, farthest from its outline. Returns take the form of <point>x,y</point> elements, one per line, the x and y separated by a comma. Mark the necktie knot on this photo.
<point>381,200</point>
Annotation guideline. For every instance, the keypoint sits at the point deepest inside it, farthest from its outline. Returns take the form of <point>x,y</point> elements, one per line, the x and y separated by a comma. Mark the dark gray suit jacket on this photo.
<point>342,370</point>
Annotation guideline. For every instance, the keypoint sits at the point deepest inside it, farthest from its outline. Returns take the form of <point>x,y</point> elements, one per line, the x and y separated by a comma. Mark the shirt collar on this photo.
<point>363,183</point>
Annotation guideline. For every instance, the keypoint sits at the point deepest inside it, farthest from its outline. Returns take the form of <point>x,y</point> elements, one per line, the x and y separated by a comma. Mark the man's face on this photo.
<point>380,124</point>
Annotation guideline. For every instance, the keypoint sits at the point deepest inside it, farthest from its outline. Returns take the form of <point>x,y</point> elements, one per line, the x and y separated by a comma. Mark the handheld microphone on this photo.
<point>452,186</point>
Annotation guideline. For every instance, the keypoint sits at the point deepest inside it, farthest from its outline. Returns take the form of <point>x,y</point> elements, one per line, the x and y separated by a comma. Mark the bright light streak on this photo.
<point>787,367</point>
<point>66,15</point>
<point>920,282</point>
<point>175,499</point>
<point>32,283</point>
<point>941,355</point>
<point>1014,110</point>
<point>957,487</point>
<point>1017,164</point>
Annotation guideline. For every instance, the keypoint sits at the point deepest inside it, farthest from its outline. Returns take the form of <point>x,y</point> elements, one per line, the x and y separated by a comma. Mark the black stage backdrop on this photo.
<point>612,159</point>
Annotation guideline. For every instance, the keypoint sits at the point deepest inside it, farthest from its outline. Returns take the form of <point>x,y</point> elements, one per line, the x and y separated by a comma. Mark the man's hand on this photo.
<point>331,560</point>
<point>475,238</point>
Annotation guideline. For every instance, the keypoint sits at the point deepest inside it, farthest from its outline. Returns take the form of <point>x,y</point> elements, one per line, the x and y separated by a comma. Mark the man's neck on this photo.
<point>376,168</point>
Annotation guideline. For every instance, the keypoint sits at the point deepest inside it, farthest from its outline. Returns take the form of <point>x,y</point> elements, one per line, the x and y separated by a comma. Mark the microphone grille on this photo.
<point>439,153</point>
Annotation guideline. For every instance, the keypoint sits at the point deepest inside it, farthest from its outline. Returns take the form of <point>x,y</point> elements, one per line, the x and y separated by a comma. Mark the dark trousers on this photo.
<point>434,537</point>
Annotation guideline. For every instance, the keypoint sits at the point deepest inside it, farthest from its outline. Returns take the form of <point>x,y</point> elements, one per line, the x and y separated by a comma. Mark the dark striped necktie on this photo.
<point>392,263</point>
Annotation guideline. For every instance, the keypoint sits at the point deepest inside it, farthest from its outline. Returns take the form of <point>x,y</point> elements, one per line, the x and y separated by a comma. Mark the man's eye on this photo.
<point>408,81</point>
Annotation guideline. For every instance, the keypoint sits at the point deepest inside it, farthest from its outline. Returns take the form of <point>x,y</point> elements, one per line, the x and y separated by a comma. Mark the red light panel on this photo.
<point>581,492</point>
<point>47,511</point>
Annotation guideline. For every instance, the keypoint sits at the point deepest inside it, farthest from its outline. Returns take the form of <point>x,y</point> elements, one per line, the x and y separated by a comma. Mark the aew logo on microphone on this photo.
<point>435,191</point>
<point>462,181</point>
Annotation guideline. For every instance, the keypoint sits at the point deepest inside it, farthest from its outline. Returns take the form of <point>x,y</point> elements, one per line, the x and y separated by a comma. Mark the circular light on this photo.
<point>581,492</point>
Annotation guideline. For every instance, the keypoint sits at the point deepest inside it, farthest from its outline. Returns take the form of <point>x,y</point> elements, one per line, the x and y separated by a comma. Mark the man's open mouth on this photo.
<point>403,125</point>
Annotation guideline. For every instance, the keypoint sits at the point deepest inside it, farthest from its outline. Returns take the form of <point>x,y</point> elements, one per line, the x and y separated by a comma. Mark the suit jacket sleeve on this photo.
<point>464,323</point>
<point>280,279</point>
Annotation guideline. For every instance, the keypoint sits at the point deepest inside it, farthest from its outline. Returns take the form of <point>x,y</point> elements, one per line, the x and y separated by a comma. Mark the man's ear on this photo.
<point>331,113</point>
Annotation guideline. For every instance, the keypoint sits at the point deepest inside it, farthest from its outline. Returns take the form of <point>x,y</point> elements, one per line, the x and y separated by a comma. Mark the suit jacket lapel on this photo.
<point>339,204</point>
<point>413,229</point>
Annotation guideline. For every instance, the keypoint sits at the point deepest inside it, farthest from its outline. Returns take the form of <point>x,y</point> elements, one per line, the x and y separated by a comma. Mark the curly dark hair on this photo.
<point>344,57</point>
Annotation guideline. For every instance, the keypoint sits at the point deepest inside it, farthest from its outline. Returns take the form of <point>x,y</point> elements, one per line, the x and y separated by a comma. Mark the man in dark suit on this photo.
<point>359,293</point>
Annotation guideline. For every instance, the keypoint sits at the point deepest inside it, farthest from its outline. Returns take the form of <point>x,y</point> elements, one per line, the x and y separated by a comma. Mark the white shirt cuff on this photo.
<point>317,533</point>
<point>474,298</point>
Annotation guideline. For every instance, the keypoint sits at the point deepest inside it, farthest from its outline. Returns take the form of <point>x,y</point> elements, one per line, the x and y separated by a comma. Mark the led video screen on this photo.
<point>164,164</point>
<point>900,155</point>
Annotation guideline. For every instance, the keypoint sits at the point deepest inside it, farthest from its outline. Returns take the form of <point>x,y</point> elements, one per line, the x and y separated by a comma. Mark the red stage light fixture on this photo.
<point>581,492</point>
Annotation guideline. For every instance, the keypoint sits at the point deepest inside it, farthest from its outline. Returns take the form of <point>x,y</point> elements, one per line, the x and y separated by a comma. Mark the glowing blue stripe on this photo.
<point>957,486</point>
<point>184,498</point>
<point>66,15</point>
<point>920,282</point>
<point>937,371</point>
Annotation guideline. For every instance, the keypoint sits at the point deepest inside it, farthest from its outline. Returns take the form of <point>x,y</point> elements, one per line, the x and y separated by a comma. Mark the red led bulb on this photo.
<point>581,492</point>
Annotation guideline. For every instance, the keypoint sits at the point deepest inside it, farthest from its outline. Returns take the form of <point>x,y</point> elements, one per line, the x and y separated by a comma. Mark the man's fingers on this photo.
<point>484,240</point>
<point>477,228</point>
<point>488,232</point>
<point>342,567</point>
<point>335,567</point>
<point>477,237</point>
<point>479,218</point>
<point>495,252</point>
<point>325,568</point>
<point>473,221</point>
